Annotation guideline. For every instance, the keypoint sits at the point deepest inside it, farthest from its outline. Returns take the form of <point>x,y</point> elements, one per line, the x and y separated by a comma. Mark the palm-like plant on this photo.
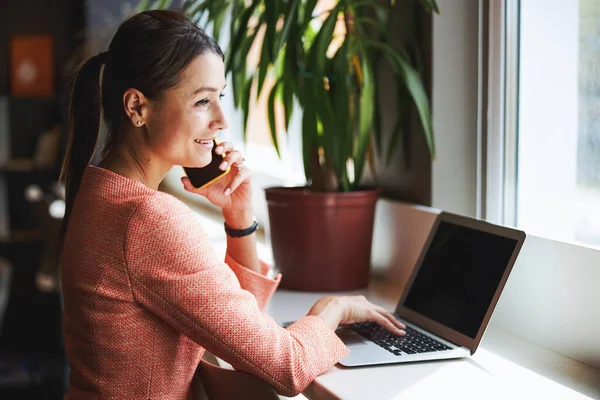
<point>333,76</point>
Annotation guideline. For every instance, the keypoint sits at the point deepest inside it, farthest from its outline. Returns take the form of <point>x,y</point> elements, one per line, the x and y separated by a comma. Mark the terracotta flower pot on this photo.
<point>321,241</point>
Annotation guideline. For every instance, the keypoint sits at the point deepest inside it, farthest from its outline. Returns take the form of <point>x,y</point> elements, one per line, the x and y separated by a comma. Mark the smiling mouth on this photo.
<point>207,141</point>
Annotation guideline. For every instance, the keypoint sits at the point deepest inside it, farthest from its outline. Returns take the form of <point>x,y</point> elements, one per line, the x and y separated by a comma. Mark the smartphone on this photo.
<point>201,177</point>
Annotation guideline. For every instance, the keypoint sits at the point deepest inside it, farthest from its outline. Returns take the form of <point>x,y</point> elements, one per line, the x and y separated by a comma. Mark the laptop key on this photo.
<point>413,342</point>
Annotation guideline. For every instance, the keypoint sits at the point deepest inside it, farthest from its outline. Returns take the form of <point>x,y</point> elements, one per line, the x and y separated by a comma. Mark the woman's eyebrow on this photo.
<point>206,89</point>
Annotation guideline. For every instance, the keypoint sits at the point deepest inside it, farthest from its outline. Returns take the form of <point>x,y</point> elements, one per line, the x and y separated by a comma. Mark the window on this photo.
<point>551,102</point>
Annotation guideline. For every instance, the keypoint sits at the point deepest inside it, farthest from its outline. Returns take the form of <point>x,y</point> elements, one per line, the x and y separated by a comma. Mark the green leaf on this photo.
<point>415,87</point>
<point>237,83</point>
<point>341,96</point>
<point>309,9</point>
<point>193,8</point>
<point>372,22</point>
<point>376,110</point>
<point>262,69</point>
<point>318,51</point>
<point>290,20</point>
<point>430,5</point>
<point>271,12</point>
<point>187,4</point>
<point>290,64</point>
<point>370,3</point>
<point>367,101</point>
<point>241,54</point>
<point>289,85</point>
<point>143,5</point>
<point>245,102</point>
<point>272,122</point>
<point>238,64</point>
<point>241,30</point>
<point>237,8</point>
<point>398,131</point>
<point>163,4</point>
<point>309,130</point>
<point>217,25</point>
<point>327,117</point>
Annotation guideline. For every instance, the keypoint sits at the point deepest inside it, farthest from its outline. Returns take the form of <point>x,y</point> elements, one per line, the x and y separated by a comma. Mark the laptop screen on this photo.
<point>459,276</point>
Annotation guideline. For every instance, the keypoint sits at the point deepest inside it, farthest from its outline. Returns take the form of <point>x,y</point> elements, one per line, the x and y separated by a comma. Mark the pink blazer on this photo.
<point>145,295</point>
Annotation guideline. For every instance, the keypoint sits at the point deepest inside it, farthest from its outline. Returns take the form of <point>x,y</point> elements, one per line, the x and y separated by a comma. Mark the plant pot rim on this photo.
<point>305,190</point>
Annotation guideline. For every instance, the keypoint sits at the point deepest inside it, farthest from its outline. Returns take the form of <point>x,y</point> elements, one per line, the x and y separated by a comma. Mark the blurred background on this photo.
<point>552,188</point>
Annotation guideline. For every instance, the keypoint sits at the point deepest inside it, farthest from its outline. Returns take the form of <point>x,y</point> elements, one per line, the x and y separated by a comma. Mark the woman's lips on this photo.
<point>201,141</point>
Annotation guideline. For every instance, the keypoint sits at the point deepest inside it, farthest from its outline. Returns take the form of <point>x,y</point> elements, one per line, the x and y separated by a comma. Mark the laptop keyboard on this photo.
<point>413,342</point>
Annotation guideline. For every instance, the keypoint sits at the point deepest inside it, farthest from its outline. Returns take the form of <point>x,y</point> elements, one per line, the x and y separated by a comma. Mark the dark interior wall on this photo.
<point>32,319</point>
<point>64,20</point>
<point>61,18</point>
<point>29,117</point>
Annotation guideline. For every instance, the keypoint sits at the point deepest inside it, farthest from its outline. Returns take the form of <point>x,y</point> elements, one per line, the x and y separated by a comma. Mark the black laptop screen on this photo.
<point>459,276</point>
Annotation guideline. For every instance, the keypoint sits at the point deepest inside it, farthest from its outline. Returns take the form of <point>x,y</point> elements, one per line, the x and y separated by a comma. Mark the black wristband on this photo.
<point>238,233</point>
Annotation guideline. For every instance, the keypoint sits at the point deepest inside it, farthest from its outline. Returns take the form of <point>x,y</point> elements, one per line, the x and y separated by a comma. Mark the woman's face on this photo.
<point>182,125</point>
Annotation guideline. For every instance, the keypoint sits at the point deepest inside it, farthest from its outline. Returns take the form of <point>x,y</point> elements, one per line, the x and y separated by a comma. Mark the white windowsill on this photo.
<point>504,366</point>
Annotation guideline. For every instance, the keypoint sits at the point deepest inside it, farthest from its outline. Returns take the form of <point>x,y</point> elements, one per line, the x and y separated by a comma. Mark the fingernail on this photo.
<point>227,191</point>
<point>218,149</point>
<point>224,165</point>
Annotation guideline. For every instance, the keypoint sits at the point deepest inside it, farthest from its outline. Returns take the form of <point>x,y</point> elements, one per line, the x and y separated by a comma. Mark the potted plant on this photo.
<point>321,233</point>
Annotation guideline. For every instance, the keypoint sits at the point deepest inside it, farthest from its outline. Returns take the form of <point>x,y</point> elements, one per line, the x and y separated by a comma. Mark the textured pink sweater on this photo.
<point>145,294</point>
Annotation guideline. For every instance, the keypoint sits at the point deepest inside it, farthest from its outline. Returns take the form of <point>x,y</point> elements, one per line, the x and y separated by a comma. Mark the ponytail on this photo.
<point>84,126</point>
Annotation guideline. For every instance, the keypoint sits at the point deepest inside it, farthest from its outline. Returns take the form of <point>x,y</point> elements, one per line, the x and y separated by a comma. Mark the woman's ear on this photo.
<point>136,107</point>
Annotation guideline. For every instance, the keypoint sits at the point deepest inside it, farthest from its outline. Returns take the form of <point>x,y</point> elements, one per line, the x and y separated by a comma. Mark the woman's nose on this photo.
<point>219,121</point>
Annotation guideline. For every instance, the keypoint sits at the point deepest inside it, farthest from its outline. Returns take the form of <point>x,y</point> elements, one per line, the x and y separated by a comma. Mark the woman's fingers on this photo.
<point>387,320</point>
<point>242,174</point>
<point>224,147</point>
<point>387,324</point>
<point>391,317</point>
<point>232,158</point>
<point>187,185</point>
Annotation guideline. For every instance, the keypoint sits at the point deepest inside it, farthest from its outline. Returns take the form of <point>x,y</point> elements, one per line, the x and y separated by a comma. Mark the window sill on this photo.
<point>504,366</point>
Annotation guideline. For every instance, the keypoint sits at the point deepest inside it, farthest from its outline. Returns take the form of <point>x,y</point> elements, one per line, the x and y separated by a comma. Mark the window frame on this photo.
<point>498,119</point>
<point>498,114</point>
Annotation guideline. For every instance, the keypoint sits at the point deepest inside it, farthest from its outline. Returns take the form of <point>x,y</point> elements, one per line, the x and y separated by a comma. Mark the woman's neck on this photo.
<point>136,166</point>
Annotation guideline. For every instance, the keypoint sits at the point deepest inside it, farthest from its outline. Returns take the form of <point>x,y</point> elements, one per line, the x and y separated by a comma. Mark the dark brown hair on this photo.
<point>148,52</point>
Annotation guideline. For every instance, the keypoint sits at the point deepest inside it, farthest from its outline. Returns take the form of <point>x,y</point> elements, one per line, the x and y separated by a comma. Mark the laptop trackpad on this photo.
<point>350,337</point>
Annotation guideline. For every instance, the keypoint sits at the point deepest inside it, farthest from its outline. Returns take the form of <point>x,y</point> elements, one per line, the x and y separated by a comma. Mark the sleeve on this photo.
<point>258,284</point>
<point>176,275</point>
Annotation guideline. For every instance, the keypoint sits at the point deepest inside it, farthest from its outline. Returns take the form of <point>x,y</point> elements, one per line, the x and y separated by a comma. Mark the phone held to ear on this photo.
<point>201,177</point>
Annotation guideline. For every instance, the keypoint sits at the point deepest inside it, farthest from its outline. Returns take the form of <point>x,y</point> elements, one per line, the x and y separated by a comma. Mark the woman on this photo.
<point>144,292</point>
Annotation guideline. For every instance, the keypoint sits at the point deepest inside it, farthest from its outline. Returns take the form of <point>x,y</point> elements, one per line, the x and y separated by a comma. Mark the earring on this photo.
<point>139,123</point>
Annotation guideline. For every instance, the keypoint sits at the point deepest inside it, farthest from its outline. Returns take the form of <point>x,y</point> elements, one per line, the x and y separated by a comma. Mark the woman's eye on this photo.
<point>221,95</point>
<point>202,102</point>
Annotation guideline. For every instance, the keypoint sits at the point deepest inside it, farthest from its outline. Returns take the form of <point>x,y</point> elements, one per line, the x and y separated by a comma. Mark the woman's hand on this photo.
<point>350,309</point>
<point>233,192</point>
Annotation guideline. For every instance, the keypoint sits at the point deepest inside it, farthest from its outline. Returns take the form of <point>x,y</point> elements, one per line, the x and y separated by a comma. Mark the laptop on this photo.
<point>449,298</point>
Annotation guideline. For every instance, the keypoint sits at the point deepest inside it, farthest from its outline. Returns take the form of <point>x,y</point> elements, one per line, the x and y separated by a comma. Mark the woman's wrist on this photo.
<point>239,219</point>
<point>330,310</point>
